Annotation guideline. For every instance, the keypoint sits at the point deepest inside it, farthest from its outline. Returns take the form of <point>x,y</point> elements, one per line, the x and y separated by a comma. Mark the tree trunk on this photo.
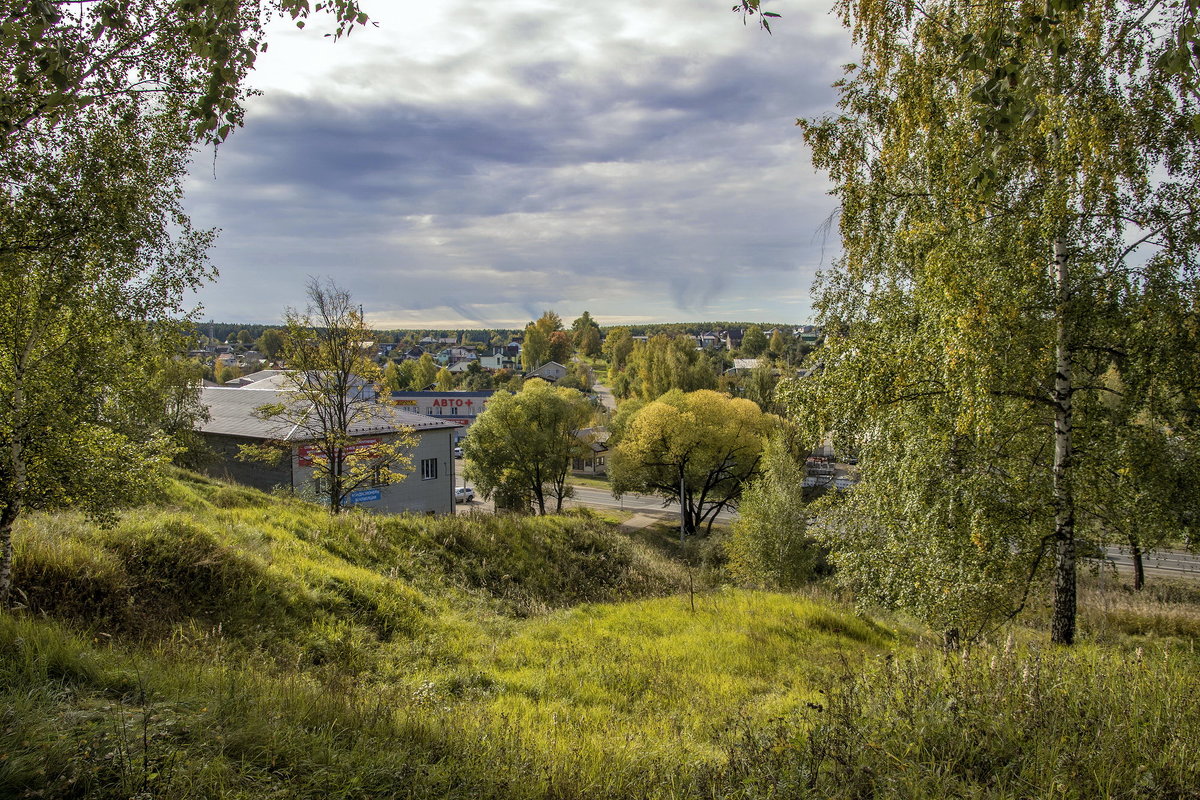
<point>1139,569</point>
<point>15,491</point>
<point>1062,625</point>
<point>7,518</point>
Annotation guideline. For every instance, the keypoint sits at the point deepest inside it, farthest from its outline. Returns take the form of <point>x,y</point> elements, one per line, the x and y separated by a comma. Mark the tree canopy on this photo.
<point>754,341</point>
<point>62,57</point>
<point>661,364</point>
<point>704,443</point>
<point>100,104</point>
<point>521,446</point>
<point>1019,282</point>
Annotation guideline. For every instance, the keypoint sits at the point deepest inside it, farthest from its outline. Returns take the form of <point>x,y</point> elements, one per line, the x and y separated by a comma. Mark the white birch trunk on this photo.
<point>1062,625</point>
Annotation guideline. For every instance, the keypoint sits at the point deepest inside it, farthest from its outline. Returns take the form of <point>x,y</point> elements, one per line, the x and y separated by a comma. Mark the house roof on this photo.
<point>596,438</point>
<point>254,377</point>
<point>545,367</point>
<point>231,413</point>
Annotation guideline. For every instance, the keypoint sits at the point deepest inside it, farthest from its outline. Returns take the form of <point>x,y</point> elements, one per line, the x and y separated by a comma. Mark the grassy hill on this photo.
<point>225,643</point>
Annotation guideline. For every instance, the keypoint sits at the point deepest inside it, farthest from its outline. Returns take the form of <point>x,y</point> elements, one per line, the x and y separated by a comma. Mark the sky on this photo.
<point>470,164</point>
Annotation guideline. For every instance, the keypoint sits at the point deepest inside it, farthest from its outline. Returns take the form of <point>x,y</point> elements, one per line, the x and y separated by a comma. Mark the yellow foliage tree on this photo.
<point>700,446</point>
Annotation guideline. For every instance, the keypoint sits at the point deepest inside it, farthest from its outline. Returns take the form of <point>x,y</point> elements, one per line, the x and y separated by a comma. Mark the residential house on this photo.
<point>454,355</point>
<point>593,460</point>
<point>551,371</point>
<point>744,365</point>
<point>808,334</point>
<point>500,358</point>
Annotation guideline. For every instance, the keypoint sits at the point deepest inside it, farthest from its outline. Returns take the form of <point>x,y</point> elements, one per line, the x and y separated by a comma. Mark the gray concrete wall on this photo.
<point>226,466</point>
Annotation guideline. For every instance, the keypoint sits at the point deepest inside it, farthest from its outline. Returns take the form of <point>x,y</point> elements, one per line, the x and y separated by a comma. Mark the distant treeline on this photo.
<point>697,328</point>
<point>222,331</point>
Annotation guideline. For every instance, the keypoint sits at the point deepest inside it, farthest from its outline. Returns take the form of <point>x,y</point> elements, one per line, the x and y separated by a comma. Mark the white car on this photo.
<point>458,452</point>
<point>464,494</point>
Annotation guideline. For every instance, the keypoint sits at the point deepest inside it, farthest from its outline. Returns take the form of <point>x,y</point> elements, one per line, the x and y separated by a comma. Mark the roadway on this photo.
<point>1164,563</point>
<point>590,497</point>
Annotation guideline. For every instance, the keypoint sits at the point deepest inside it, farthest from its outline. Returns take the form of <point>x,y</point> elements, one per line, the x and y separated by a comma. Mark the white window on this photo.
<point>428,469</point>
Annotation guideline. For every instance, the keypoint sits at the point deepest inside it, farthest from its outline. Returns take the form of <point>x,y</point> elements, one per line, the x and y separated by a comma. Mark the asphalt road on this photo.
<point>1168,563</point>
<point>606,396</point>
<point>590,497</point>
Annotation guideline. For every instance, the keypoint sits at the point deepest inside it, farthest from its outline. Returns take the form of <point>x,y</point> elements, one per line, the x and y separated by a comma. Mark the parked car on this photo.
<point>458,452</point>
<point>464,494</point>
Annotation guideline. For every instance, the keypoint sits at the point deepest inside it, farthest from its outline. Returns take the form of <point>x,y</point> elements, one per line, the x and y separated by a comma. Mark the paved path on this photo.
<point>639,521</point>
<point>606,396</point>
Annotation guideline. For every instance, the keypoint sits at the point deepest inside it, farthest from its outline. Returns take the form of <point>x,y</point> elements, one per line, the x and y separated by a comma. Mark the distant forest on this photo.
<point>222,331</point>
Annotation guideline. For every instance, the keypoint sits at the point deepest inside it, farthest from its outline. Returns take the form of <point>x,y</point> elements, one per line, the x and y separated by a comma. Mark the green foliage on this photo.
<point>770,545</point>
<point>754,342</point>
<point>424,373</point>
<point>662,364</point>
<point>585,334</point>
<point>100,104</point>
<point>61,60</point>
<point>617,347</point>
<point>702,443</point>
<point>1007,306</point>
<point>535,349</point>
<point>521,446</point>
<point>760,387</point>
<point>778,344</point>
<point>992,723</point>
<point>376,656</point>
<point>270,343</point>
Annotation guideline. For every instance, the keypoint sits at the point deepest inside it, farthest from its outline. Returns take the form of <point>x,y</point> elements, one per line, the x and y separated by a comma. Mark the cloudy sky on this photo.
<point>469,163</point>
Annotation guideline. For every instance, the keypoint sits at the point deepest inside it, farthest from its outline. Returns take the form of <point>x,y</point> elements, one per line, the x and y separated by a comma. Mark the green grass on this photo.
<point>225,643</point>
<point>595,482</point>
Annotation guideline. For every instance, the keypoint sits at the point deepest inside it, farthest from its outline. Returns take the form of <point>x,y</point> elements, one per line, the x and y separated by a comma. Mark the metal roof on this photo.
<point>231,413</point>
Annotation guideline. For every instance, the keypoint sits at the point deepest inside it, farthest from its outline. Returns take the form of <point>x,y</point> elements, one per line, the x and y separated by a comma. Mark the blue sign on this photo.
<point>363,496</point>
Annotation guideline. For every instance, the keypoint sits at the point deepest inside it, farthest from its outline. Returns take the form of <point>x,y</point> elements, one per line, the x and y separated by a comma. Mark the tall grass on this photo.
<point>229,644</point>
<point>991,722</point>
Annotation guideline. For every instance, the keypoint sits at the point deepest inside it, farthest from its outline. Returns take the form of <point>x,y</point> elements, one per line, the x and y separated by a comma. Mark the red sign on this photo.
<point>306,452</point>
<point>454,402</point>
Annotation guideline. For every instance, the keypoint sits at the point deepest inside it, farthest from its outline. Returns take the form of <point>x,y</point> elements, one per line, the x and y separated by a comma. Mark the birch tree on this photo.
<point>1017,184</point>
<point>95,256</point>
<point>331,400</point>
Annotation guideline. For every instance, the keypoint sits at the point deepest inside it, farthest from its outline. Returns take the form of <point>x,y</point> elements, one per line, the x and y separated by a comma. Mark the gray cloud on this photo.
<point>654,182</point>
